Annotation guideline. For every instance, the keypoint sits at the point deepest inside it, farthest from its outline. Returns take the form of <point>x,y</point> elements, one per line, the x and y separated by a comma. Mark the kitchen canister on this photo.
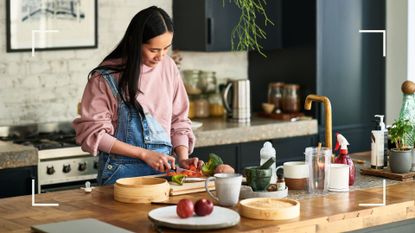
<point>339,178</point>
<point>318,160</point>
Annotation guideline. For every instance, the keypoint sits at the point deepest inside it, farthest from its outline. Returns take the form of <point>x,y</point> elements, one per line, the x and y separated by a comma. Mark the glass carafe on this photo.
<point>318,160</point>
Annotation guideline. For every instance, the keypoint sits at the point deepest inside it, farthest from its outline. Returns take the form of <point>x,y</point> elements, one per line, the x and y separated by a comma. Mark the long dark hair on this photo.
<point>145,25</point>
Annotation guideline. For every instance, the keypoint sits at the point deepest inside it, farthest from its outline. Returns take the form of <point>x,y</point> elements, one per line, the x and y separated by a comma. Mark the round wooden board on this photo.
<point>267,208</point>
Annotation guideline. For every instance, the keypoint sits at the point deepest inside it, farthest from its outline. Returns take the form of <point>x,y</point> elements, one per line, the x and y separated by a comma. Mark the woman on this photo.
<point>134,107</point>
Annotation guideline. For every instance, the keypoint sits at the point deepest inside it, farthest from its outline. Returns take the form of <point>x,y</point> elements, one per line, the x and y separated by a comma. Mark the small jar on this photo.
<point>291,98</point>
<point>191,80</point>
<point>275,95</point>
<point>216,108</point>
<point>201,107</point>
<point>207,82</point>
<point>192,109</point>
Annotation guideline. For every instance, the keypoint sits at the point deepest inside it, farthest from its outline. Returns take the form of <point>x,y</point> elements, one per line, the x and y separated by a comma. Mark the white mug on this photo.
<point>295,170</point>
<point>339,178</point>
<point>227,188</point>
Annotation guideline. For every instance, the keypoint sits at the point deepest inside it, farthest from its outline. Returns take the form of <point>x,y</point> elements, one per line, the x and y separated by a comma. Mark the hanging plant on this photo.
<point>246,31</point>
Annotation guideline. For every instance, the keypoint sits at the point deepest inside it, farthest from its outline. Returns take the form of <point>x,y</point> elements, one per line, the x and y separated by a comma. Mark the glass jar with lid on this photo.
<point>201,107</point>
<point>291,98</point>
<point>191,79</point>
<point>216,108</point>
<point>192,109</point>
<point>275,95</point>
<point>207,82</point>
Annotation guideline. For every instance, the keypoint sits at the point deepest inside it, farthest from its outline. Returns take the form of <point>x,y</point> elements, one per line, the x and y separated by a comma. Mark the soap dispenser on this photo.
<point>379,145</point>
<point>344,158</point>
<point>267,152</point>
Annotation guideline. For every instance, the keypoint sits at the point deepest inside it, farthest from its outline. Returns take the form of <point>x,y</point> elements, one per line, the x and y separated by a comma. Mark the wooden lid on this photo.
<point>408,87</point>
<point>140,181</point>
<point>270,208</point>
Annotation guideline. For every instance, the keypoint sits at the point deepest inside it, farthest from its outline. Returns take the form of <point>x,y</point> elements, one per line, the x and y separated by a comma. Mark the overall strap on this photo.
<point>112,82</point>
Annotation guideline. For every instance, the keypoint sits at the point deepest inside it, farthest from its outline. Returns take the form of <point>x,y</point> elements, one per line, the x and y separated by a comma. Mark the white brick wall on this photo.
<point>47,87</point>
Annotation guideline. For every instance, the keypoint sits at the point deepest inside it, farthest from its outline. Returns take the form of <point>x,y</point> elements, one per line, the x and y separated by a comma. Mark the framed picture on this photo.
<point>51,24</point>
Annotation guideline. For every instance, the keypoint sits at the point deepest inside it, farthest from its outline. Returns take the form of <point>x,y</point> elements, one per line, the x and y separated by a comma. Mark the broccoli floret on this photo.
<point>208,168</point>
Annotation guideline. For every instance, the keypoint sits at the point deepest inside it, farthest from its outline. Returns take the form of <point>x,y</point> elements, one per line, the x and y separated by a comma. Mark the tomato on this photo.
<point>185,208</point>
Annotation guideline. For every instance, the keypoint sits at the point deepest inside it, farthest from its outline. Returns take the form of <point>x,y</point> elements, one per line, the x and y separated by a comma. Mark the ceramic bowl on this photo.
<point>258,179</point>
<point>268,108</point>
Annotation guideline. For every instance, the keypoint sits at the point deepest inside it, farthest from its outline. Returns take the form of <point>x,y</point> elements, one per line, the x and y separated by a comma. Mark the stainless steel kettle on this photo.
<point>240,109</point>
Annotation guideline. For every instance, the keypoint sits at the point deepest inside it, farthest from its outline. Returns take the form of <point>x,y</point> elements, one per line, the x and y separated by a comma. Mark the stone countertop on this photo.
<point>13,155</point>
<point>219,131</point>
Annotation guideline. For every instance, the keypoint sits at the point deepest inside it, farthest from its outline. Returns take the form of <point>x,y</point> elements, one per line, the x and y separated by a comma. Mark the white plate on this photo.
<point>196,124</point>
<point>220,218</point>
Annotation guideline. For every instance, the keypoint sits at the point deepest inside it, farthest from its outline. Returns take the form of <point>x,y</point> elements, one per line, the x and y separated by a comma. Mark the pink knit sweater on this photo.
<point>164,96</point>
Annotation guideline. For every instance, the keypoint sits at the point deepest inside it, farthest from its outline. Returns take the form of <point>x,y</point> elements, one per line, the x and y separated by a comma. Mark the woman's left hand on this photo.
<point>185,163</point>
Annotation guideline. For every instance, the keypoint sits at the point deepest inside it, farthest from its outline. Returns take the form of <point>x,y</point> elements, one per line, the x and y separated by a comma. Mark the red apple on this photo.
<point>203,207</point>
<point>184,208</point>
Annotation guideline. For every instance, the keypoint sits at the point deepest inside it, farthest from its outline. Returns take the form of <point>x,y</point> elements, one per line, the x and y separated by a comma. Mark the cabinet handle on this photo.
<point>209,30</point>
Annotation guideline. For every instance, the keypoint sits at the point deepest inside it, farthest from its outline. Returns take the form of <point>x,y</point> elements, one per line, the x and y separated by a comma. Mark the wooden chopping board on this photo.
<point>192,187</point>
<point>387,173</point>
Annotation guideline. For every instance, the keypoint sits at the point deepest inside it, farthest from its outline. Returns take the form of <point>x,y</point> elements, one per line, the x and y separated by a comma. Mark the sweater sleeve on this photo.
<point>181,130</point>
<point>94,128</point>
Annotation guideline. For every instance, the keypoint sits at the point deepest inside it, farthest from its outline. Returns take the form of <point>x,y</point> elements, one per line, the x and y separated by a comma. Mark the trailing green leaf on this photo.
<point>246,31</point>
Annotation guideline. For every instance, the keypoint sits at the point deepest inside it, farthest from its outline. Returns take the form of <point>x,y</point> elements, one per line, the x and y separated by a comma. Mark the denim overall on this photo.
<point>135,128</point>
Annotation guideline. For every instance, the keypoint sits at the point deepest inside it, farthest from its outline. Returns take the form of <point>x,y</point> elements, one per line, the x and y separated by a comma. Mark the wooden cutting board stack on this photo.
<point>192,187</point>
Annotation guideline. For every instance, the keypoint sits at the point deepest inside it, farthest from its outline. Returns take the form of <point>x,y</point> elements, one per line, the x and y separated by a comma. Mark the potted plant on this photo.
<point>401,156</point>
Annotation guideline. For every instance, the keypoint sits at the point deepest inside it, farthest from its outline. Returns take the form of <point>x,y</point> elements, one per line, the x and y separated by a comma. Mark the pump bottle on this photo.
<point>344,158</point>
<point>267,152</point>
<point>379,145</point>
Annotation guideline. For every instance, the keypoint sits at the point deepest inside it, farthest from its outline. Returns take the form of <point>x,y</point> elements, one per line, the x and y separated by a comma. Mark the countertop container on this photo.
<point>141,190</point>
<point>269,208</point>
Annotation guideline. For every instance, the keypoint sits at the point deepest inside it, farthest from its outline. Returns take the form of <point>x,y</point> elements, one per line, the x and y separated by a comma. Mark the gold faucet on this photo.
<point>327,113</point>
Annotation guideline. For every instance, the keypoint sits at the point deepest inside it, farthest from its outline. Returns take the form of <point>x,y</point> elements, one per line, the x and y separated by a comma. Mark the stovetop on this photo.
<point>43,137</point>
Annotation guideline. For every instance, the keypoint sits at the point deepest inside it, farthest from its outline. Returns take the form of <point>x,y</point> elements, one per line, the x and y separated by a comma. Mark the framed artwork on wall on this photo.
<point>51,24</point>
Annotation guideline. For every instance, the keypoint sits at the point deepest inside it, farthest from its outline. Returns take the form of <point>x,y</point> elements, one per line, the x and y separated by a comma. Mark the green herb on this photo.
<point>399,130</point>
<point>247,31</point>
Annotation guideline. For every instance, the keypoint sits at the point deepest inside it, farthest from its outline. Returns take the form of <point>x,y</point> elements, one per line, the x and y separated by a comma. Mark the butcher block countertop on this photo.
<point>330,213</point>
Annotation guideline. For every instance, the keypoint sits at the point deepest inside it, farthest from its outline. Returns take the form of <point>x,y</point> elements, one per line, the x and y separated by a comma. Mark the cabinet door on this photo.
<point>249,153</point>
<point>292,149</point>
<point>351,66</point>
<point>228,153</point>
<point>204,25</point>
<point>17,181</point>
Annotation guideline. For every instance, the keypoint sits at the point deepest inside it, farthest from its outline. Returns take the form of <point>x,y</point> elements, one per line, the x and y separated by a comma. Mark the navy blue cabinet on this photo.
<point>206,25</point>
<point>325,54</point>
<point>17,181</point>
<point>240,155</point>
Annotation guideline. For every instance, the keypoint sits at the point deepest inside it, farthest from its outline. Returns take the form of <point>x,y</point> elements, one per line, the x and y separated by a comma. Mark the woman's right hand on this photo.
<point>159,161</point>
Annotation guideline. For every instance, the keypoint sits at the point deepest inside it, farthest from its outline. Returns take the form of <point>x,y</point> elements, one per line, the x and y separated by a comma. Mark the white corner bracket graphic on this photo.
<point>34,35</point>
<point>384,197</point>
<point>383,34</point>
<point>39,204</point>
